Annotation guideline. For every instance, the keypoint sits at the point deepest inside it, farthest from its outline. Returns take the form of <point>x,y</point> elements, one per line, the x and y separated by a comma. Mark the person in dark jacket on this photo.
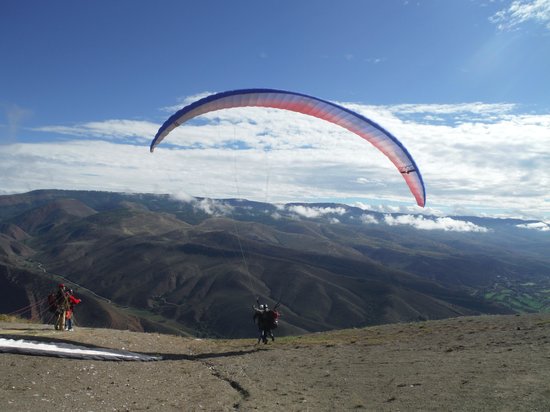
<point>266,321</point>
<point>62,305</point>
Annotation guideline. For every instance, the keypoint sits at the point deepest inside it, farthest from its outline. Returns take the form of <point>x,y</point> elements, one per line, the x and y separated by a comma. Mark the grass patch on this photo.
<point>530,302</point>
<point>521,300</point>
<point>13,319</point>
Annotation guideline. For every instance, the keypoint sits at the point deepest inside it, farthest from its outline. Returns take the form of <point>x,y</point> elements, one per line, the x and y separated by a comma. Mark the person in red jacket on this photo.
<point>69,313</point>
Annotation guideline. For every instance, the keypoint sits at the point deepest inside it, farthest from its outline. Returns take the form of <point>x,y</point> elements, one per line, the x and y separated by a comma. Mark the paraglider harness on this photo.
<point>57,300</point>
<point>270,318</point>
<point>273,318</point>
<point>60,300</point>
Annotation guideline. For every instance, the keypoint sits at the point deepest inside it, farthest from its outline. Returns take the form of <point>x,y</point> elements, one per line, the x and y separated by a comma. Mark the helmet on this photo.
<point>61,286</point>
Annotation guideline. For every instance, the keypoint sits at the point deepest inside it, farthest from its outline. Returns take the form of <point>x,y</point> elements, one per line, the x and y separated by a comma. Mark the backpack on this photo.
<point>273,317</point>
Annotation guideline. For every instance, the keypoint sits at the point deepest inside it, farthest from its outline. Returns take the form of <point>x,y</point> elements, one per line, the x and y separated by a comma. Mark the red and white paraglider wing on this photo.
<point>312,106</point>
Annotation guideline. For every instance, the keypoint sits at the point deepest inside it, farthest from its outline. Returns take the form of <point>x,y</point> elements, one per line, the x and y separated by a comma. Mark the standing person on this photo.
<point>259,319</point>
<point>266,320</point>
<point>73,301</point>
<point>62,305</point>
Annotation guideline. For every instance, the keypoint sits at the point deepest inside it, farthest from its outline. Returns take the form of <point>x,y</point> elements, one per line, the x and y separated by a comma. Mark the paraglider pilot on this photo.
<point>62,305</point>
<point>266,320</point>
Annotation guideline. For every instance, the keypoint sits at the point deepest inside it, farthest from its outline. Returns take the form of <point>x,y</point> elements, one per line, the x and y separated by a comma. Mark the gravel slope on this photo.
<point>488,363</point>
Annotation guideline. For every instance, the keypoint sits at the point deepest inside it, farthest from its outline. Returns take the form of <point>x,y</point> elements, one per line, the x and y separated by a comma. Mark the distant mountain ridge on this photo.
<point>197,265</point>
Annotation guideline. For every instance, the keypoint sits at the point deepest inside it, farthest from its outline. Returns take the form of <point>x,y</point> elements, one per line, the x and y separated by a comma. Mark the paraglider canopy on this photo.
<point>312,106</point>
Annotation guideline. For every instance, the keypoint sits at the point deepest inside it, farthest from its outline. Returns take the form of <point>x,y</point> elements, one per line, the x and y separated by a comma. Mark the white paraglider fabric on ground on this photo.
<point>67,350</point>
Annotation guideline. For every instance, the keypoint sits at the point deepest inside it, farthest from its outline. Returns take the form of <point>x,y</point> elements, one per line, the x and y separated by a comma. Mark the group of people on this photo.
<point>63,301</point>
<point>267,320</point>
<point>62,304</point>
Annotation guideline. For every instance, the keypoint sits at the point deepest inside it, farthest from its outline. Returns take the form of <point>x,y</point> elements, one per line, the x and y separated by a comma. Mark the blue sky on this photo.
<point>463,84</point>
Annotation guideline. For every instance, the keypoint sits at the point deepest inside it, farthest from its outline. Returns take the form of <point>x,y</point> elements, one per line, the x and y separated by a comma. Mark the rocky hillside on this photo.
<point>196,266</point>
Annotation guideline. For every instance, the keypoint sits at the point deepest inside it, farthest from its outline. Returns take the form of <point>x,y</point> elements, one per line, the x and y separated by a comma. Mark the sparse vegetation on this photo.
<point>469,364</point>
<point>521,297</point>
<point>13,319</point>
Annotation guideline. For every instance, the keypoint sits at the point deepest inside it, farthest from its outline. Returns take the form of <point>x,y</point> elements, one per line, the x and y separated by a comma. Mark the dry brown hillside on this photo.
<point>487,363</point>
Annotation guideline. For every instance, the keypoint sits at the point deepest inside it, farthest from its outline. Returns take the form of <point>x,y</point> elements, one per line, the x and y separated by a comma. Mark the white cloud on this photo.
<point>114,129</point>
<point>183,197</point>
<point>213,207</point>
<point>375,60</point>
<point>441,223</point>
<point>468,108</point>
<point>540,226</point>
<point>486,155</point>
<point>368,219</point>
<point>184,101</point>
<point>523,11</point>
<point>315,212</point>
<point>403,209</point>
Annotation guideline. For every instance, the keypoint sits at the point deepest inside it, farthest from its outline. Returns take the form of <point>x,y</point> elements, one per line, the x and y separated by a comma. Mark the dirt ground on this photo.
<point>487,363</point>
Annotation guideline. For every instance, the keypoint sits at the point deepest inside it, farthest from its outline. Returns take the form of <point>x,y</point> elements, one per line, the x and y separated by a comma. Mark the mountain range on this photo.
<point>195,266</point>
